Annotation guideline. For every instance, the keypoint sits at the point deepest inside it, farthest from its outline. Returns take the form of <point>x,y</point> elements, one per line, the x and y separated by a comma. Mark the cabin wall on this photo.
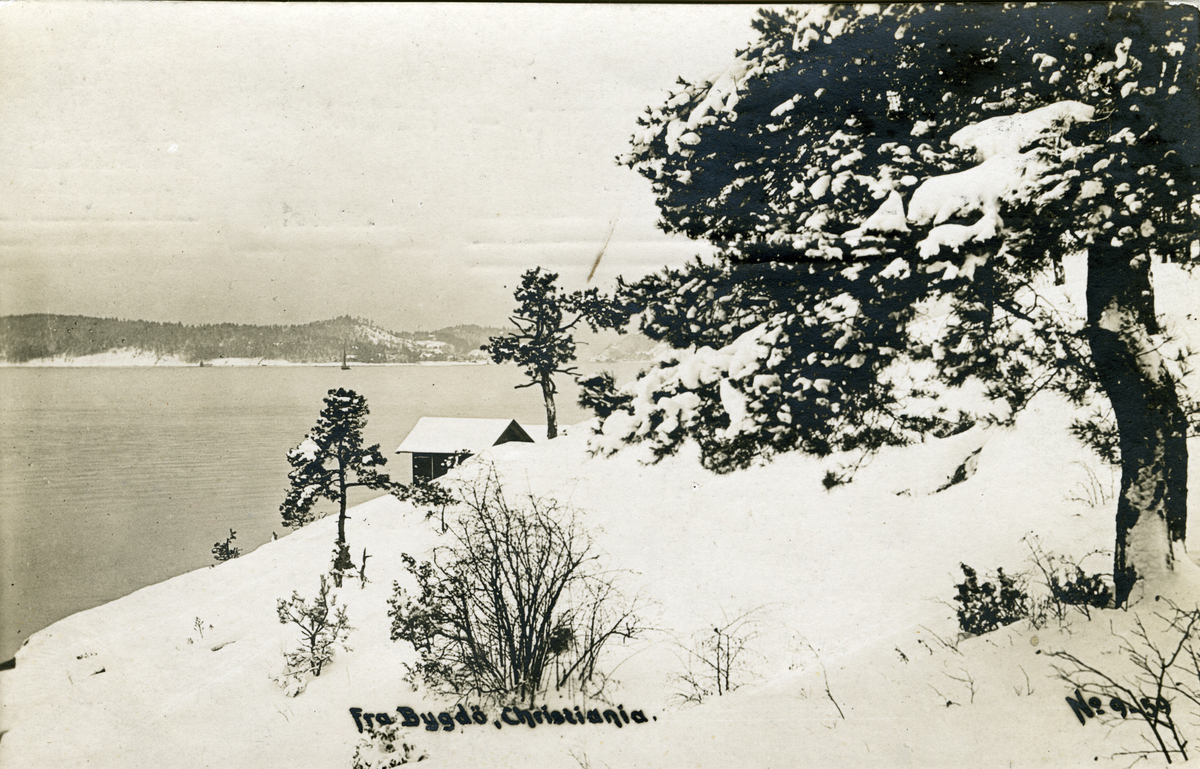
<point>429,466</point>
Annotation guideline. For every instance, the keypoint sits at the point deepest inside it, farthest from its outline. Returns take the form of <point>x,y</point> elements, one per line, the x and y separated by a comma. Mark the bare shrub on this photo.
<point>1165,666</point>
<point>1094,491</point>
<point>717,661</point>
<point>515,603</point>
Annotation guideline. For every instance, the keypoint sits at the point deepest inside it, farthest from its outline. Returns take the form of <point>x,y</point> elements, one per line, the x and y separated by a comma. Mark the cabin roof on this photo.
<point>446,435</point>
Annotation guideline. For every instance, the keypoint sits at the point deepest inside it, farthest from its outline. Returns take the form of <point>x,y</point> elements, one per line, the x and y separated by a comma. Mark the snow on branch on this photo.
<point>1009,134</point>
<point>1005,173</point>
<point>654,415</point>
<point>721,98</point>
<point>820,22</point>
<point>889,217</point>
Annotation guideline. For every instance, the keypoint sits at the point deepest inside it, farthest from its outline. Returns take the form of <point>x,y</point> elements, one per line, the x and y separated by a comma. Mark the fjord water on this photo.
<point>112,479</point>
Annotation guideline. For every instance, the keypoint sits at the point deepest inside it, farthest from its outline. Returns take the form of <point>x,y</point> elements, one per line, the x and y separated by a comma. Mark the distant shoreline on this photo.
<point>245,363</point>
<point>240,363</point>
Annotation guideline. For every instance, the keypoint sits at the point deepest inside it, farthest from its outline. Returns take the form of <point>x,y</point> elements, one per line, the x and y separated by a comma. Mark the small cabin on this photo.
<point>439,443</point>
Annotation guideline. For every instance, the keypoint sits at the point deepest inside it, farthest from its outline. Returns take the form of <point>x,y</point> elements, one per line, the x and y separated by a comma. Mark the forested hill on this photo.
<point>25,338</point>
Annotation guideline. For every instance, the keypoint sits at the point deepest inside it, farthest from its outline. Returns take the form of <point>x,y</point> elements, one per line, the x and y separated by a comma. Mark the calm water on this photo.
<point>112,479</point>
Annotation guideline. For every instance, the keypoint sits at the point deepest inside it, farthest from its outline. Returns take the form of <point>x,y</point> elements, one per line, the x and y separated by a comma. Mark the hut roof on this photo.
<point>444,435</point>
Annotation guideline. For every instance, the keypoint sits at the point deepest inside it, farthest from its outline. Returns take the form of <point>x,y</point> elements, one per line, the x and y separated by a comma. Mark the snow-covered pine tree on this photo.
<point>862,168</point>
<point>544,342</point>
<point>330,460</point>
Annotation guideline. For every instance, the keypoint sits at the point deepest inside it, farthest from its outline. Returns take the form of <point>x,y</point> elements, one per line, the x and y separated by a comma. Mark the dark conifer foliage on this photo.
<point>226,551</point>
<point>983,607</point>
<point>599,394</point>
<point>330,461</point>
<point>544,344</point>
<point>891,189</point>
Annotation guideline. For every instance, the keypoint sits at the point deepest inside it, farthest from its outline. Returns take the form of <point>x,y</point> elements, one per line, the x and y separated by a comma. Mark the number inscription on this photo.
<point>1093,707</point>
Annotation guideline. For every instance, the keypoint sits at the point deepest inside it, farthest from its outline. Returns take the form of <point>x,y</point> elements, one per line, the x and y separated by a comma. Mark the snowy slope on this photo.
<point>858,663</point>
<point>857,573</point>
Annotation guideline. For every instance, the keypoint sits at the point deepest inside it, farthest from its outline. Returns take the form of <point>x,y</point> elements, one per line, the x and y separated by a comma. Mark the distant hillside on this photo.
<point>25,338</point>
<point>608,346</point>
<point>463,339</point>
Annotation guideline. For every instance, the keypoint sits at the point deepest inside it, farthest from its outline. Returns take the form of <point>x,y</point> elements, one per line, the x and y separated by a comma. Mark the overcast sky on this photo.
<point>287,163</point>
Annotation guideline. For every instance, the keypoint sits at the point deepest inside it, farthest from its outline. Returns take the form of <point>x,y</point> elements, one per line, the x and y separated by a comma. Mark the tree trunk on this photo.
<point>551,415</point>
<point>342,552</point>
<point>1152,504</point>
<point>341,537</point>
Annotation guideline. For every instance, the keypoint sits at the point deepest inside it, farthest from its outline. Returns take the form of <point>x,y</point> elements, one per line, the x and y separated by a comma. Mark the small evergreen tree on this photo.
<point>543,343</point>
<point>385,747</point>
<point>330,461</point>
<point>225,551</point>
<point>323,626</point>
<point>982,607</point>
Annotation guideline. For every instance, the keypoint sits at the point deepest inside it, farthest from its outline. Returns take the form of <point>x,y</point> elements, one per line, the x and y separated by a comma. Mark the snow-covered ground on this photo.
<point>857,660</point>
<point>853,584</point>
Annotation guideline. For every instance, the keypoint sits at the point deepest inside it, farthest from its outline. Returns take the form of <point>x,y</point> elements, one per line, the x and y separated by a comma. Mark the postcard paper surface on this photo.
<point>596,386</point>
